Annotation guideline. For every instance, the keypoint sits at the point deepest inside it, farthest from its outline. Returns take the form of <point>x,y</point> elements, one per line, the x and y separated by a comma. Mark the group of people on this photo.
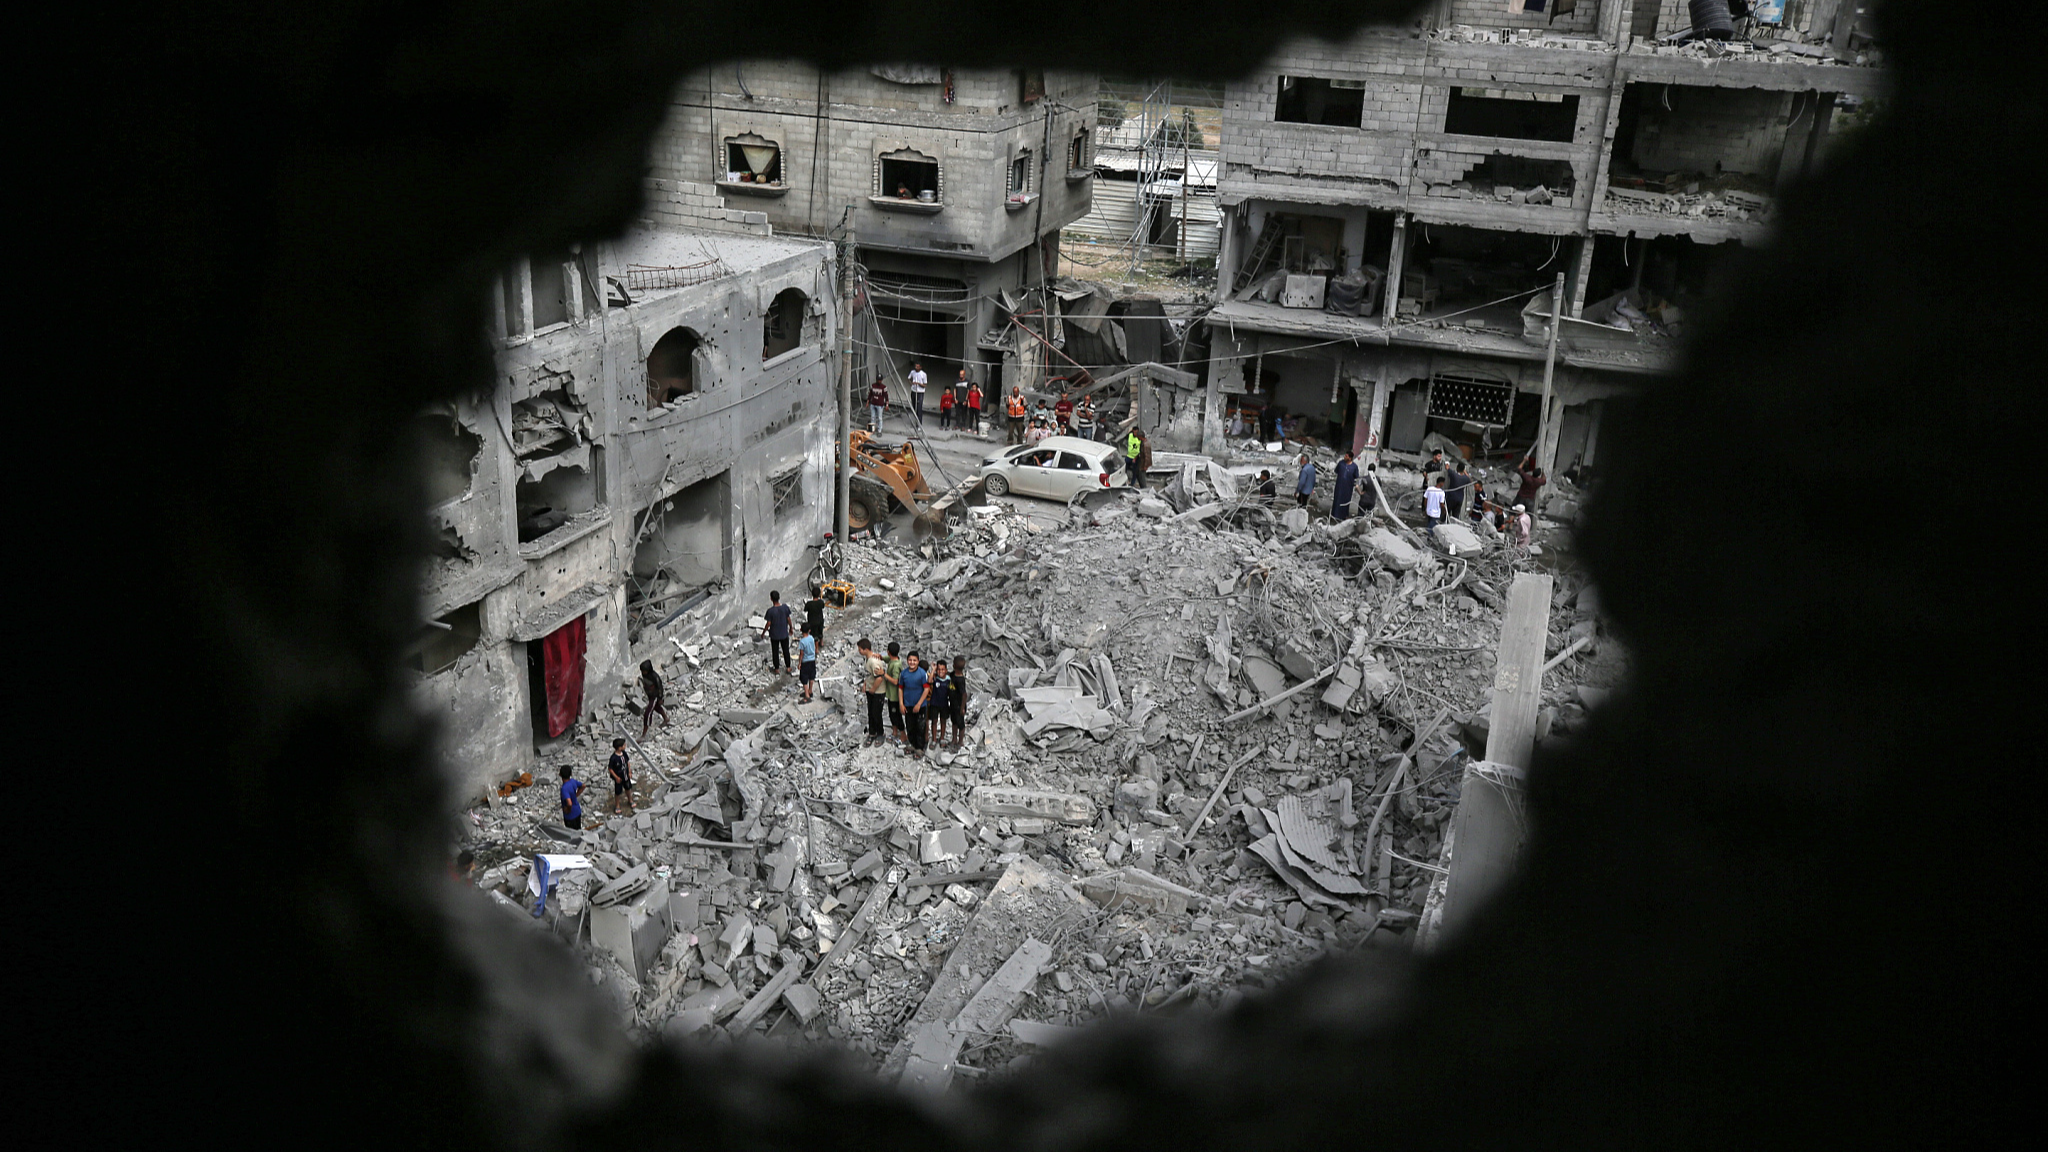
<point>1063,418</point>
<point>924,704</point>
<point>1447,491</point>
<point>620,769</point>
<point>960,404</point>
<point>775,625</point>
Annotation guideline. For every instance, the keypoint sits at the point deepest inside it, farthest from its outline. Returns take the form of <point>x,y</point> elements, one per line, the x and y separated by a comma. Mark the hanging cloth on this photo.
<point>561,665</point>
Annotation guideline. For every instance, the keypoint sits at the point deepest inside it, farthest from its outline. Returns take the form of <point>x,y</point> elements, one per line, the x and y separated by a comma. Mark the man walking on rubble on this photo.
<point>650,683</point>
<point>1518,523</point>
<point>874,687</point>
<point>1015,413</point>
<point>1433,507</point>
<point>1134,451</point>
<point>776,625</point>
<point>572,799</point>
<point>1347,480</point>
<point>917,382</point>
<point>1305,483</point>
<point>814,613</point>
<point>1435,463</point>
<point>1267,490</point>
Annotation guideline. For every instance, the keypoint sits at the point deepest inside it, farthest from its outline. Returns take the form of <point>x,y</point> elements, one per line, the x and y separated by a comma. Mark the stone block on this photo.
<point>802,1000</point>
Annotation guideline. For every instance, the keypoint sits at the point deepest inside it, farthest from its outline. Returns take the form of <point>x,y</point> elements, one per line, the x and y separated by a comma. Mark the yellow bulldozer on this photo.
<point>887,477</point>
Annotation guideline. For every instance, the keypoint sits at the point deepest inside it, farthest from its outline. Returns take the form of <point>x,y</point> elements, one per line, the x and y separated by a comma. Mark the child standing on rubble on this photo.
<point>946,409</point>
<point>572,799</point>
<point>937,706</point>
<point>973,406</point>
<point>893,675</point>
<point>621,770</point>
<point>873,687</point>
<point>956,694</point>
<point>650,683</point>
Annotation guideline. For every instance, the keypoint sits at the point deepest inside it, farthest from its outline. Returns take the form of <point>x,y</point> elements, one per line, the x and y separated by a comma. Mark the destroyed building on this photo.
<point>954,182</point>
<point>656,449</point>
<point>1398,205</point>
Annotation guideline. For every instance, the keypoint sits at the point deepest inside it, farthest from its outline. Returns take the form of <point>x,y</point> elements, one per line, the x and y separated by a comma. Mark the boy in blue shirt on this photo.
<point>915,685</point>
<point>572,803</point>
<point>807,666</point>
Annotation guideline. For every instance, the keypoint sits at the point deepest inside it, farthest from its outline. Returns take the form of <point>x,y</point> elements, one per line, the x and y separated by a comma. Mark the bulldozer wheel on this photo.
<point>858,514</point>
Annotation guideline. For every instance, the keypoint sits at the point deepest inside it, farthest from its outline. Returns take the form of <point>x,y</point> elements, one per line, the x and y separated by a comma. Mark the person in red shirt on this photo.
<point>974,408</point>
<point>946,408</point>
<point>1063,414</point>
<point>878,404</point>
<point>1532,479</point>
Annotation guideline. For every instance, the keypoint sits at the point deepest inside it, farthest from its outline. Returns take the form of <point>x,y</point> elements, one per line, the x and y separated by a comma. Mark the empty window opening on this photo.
<point>448,455</point>
<point>908,175</point>
<point>1662,278</point>
<point>1469,270</point>
<point>672,366</point>
<point>1077,157</point>
<point>787,491</point>
<point>1512,115</point>
<point>548,423</point>
<point>680,553</point>
<point>1313,100</point>
<point>440,644</point>
<point>752,159</point>
<point>1670,136</point>
<point>1504,175</point>
<point>782,329</point>
<point>1020,173</point>
<point>553,499</point>
<point>552,272</point>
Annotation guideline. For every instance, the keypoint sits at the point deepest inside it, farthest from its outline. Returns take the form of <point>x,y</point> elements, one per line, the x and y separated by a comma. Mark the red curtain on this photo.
<point>561,666</point>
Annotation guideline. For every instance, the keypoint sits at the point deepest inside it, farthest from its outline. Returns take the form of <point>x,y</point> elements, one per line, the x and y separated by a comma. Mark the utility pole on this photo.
<point>1546,448</point>
<point>845,494</point>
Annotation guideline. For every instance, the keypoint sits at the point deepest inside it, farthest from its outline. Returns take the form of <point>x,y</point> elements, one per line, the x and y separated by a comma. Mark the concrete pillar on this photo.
<point>1396,257</point>
<point>519,317</point>
<point>1575,281</point>
<point>1823,115</point>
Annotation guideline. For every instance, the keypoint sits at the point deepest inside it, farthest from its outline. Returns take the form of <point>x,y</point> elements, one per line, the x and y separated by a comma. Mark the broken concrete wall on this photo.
<point>1683,128</point>
<point>569,433</point>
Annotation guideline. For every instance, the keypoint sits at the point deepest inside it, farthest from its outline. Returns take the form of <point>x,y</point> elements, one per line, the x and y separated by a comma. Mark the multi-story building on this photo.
<point>956,184</point>
<point>1424,186</point>
<point>656,454</point>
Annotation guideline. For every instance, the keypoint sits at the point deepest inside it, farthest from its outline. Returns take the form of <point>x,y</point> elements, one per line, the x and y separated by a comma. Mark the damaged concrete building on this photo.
<point>657,449</point>
<point>955,183</point>
<point>1398,207</point>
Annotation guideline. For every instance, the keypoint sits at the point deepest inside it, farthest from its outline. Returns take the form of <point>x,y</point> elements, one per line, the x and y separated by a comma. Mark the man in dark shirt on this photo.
<point>814,613</point>
<point>621,771</point>
<point>1268,491</point>
<point>1435,463</point>
<point>777,628</point>
<point>1347,481</point>
<point>572,799</point>
<point>1532,479</point>
<point>1455,491</point>
<point>650,683</point>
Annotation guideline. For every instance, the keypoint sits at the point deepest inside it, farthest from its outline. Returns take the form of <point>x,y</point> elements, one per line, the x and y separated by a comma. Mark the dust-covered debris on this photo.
<point>1100,815</point>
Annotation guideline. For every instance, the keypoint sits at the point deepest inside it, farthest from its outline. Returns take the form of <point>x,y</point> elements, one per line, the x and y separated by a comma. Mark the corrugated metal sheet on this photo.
<point>1113,215</point>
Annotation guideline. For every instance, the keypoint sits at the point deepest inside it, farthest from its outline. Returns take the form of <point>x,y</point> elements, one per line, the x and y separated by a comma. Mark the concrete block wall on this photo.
<point>1584,21</point>
<point>1711,129</point>
<point>685,204</point>
<point>830,161</point>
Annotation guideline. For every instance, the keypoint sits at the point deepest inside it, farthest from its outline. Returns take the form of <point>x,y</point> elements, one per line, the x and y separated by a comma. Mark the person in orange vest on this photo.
<point>1016,413</point>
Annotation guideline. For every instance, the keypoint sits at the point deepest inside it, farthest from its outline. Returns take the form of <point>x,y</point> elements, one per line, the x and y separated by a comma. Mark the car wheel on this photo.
<point>998,484</point>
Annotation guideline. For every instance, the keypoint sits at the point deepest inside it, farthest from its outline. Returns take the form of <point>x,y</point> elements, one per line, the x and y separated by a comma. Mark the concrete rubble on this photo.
<point>1206,743</point>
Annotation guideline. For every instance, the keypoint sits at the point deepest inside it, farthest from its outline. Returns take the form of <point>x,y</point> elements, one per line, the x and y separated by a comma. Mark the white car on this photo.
<point>1057,468</point>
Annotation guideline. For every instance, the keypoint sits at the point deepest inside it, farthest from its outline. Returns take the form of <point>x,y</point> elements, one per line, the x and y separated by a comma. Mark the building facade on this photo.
<point>657,453</point>
<point>956,184</point>
<point>1398,206</point>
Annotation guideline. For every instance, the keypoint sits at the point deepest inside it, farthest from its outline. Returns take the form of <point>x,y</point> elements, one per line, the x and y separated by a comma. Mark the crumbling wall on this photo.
<point>1584,21</point>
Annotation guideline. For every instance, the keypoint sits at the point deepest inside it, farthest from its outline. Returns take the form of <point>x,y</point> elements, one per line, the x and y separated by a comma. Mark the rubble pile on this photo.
<point>1206,742</point>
